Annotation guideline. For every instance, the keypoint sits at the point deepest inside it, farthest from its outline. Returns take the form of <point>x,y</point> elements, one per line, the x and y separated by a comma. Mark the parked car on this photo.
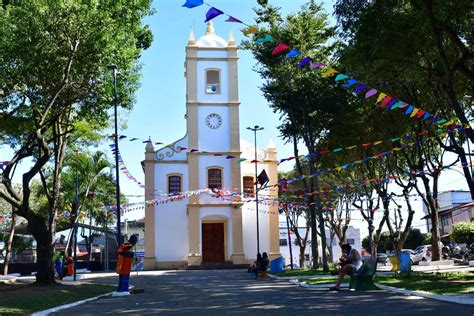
<point>421,253</point>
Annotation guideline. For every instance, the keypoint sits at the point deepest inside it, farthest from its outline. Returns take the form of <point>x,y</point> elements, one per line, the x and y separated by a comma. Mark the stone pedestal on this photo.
<point>194,260</point>
<point>238,258</point>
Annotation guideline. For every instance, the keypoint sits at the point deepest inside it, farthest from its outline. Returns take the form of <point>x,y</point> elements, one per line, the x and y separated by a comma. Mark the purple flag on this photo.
<point>212,13</point>
<point>304,61</point>
<point>370,93</point>
<point>232,19</point>
<point>316,65</point>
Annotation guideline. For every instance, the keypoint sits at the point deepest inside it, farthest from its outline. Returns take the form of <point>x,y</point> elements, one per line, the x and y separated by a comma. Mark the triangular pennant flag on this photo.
<point>351,147</point>
<point>304,61</point>
<point>193,3</point>
<point>420,113</point>
<point>193,150</point>
<point>351,82</point>
<point>370,93</point>
<point>292,53</point>
<point>316,65</point>
<point>232,19</point>
<point>434,119</point>
<point>340,77</point>
<point>380,97</point>
<point>441,121</point>
<point>391,104</point>
<point>413,113</point>
<point>229,157</point>
<point>133,139</point>
<point>250,30</point>
<point>396,105</point>
<point>329,72</point>
<point>212,13</point>
<point>409,110</point>
<point>385,101</point>
<point>265,39</point>
<point>447,123</point>
<point>426,116</point>
<point>279,48</point>
<point>359,88</point>
<point>404,105</point>
<point>337,150</point>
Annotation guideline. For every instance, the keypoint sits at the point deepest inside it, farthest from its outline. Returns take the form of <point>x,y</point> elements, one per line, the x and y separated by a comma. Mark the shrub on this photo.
<point>463,233</point>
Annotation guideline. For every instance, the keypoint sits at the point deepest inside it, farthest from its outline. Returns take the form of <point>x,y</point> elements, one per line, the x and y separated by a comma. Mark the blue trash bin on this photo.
<point>276,265</point>
<point>405,262</point>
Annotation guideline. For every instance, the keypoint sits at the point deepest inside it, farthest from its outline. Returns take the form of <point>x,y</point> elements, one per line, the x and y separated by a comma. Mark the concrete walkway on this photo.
<point>235,291</point>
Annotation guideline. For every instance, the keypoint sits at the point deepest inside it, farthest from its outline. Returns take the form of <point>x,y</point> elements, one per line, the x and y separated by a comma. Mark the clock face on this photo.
<point>213,121</point>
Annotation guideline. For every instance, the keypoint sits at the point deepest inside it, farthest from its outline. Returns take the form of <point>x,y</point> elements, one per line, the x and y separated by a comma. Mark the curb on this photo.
<point>458,299</point>
<point>317,286</point>
<point>61,307</point>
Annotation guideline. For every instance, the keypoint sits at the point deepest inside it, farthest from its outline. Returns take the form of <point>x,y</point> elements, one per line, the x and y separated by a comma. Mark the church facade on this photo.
<point>205,228</point>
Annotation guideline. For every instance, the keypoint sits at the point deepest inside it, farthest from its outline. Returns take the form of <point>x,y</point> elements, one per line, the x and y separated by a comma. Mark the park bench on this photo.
<point>362,280</point>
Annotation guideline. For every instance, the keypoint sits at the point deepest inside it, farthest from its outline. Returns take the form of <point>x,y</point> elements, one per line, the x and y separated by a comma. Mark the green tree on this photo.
<point>306,101</point>
<point>419,51</point>
<point>54,83</point>
<point>463,233</point>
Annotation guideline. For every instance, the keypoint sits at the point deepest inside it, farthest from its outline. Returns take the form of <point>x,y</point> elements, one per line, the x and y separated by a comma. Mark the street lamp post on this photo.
<point>75,225</point>
<point>255,129</point>
<point>119,238</point>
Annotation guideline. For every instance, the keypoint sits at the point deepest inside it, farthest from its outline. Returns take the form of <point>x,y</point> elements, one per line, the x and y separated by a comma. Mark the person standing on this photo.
<point>125,261</point>
<point>58,263</point>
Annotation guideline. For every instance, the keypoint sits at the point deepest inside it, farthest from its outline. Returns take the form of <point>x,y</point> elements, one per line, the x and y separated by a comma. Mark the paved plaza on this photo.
<point>215,292</point>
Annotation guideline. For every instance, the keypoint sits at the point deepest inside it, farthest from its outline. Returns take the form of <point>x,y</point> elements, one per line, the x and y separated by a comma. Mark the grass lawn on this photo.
<point>22,299</point>
<point>438,283</point>
<point>301,272</point>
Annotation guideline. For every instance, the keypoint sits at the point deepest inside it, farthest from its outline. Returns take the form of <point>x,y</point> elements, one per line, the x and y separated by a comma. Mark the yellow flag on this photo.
<point>329,72</point>
<point>381,96</point>
<point>448,123</point>
<point>250,30</point>
<point>396,148</point>
<point>415,110</point>
<point>352,147</point>
<point>378,142</point>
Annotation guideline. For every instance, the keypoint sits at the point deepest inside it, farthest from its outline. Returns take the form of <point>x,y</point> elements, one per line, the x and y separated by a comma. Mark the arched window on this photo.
<point>212,81</point>
<point>174,184</point>
<point>214,178</point>
<point>249,186</point>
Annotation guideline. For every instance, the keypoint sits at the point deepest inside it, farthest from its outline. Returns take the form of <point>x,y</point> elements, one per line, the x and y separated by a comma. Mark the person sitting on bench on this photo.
<point>263,265</point>
<point>351,262</point>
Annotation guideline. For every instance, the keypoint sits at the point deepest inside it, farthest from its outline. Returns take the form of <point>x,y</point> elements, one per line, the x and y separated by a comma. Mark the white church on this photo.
<point>203,229</point>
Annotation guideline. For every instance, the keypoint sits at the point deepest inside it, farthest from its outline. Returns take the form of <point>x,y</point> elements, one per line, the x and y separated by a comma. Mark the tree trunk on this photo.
<point>322,231</point>
<point>302,251</point>
<point>44,237</point>
<point>8,245</point>
<point>314,239</point>
<point>436,255</point>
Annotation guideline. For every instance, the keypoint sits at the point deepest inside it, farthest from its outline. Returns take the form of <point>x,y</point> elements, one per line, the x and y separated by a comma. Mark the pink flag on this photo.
<point>279,48</point>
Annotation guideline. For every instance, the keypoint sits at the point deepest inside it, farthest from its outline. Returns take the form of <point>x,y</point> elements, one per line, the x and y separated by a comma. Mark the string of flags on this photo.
<point>386,101</point>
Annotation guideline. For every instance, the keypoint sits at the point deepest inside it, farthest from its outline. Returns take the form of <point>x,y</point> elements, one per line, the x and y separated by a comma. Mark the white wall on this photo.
<point>171,220</point>
<point>214,139</point>
<point>201,81</point>
<point>212,53</point>
<point>167,153</point>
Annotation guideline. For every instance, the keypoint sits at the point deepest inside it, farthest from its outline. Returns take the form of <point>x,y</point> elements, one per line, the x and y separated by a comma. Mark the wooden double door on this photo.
<point>213,248</point>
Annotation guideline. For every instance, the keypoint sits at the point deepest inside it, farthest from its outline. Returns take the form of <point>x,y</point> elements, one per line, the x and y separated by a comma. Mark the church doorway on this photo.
<point>213,242</point>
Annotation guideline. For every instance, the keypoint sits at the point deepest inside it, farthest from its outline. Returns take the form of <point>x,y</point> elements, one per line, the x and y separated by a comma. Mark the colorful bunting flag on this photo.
<point>193,3</point>
<point>317,65</point>
<point>370,93</point>
<point>250,30</point>
<point>292,53</point>
<point>265,39</point>
<point>304,61</point>
<point>350,82</point>
<point>212,13</point>
<point>279,48</point>
<point>329,72</point>
<point>232,19</point>
<point>340,77</point>
<point>380,97</point>
<point>359,88</point>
